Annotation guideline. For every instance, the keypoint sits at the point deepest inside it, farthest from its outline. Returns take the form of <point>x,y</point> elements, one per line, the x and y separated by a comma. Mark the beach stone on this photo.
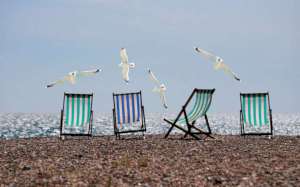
<point>154,161</point>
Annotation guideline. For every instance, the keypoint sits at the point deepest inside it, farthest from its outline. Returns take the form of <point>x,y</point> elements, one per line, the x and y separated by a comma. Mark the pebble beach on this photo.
<point>226,160</point>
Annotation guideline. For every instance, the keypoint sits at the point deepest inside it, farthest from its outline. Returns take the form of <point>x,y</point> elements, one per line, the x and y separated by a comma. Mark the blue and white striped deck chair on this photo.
<point>76,115</point>
<point>188,118</point>
<point>128,112</point>
<point>255,113</point>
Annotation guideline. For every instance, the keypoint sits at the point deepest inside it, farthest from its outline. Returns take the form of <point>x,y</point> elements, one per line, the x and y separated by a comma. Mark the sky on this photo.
<point>41,41</point>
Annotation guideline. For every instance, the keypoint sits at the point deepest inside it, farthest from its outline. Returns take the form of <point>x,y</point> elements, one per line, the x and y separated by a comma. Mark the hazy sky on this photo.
<point>41,41</point>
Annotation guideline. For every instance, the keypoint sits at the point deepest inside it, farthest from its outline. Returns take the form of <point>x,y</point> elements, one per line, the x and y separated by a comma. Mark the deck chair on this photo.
<point>76,115</point>
<point>128,113</point>
<point>199,109</point>
<point>255,113</point>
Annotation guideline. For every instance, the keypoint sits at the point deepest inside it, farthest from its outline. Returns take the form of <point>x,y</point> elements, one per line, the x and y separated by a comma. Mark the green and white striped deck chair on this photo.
<point>199,109</point>
<point>255,113</point>
<point>76,115</point>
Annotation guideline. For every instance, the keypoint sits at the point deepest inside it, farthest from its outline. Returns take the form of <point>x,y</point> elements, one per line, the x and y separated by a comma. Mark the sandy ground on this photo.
<point>104,161</point>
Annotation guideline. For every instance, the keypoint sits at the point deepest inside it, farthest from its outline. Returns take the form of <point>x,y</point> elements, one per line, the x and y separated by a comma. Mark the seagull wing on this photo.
<point>207,55</point>
<point>89,72</point>
<point>125,72</point>
<point>123,55</point>
<point>228,71</point>
<point>152,77</point>
<point>55,83</point>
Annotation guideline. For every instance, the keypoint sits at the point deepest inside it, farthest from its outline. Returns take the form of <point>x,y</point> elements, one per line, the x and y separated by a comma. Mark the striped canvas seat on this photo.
<point>255,110</point>
<point>200,107</point>
<point>77,111</point>
<point>128,109</point>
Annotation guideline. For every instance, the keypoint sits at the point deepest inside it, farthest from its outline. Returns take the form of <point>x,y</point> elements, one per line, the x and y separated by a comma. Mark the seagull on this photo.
<point>73,76</point>
<point>159,88</point>
<point>125,65</point>
<point>218,62</point>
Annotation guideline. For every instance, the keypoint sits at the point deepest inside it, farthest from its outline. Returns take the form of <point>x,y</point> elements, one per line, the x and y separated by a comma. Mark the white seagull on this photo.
<point>218,62</point>
<point>73,76</point>
<point>125,65</point>
<point>159,88</point>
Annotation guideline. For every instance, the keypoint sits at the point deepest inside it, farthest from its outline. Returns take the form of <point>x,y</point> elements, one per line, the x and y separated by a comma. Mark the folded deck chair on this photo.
<point>128,113</point>
<point>76,115</point>
<point>255,113</point>
<point>202,103</point>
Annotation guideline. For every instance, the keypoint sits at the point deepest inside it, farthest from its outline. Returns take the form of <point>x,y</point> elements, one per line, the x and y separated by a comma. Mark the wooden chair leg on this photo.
<point>170,129</point>
<point>174,125</point>
<point>207,124</point>
<point>189,130</point>
<point>185,136</point>
<point>202,132</point>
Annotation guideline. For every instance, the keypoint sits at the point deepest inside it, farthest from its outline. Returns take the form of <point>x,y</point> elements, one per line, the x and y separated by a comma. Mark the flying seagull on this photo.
<point>73,76</point>
<point>125,65</point>
<point>218,62</point>
<point>159,88</point>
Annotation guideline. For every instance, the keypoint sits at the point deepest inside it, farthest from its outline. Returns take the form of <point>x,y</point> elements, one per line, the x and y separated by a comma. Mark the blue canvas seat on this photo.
<point>128,111</point>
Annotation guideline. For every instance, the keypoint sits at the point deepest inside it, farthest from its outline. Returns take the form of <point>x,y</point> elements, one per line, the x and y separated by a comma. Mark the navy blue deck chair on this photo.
<point>128,113</point>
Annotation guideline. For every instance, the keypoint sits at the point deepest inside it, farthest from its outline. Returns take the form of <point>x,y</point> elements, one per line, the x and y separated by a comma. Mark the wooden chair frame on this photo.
<point>190,125</point>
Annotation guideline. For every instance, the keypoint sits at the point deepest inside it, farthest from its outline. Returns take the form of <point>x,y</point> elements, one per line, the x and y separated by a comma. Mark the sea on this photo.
<point>28,125</point>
